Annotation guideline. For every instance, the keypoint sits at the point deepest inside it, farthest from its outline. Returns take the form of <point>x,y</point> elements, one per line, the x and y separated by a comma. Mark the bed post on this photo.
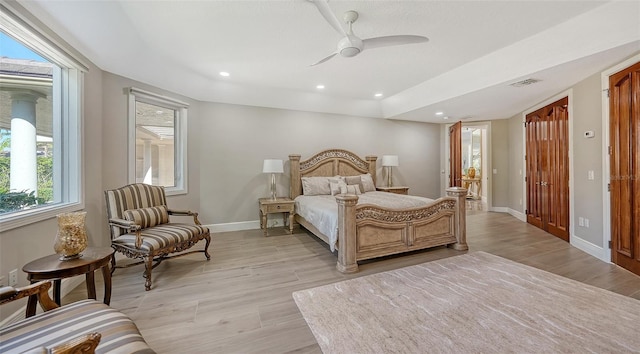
<point>294,182</point>
<point>461,217</point>
<point>347,233</point>
<point>372,167</point>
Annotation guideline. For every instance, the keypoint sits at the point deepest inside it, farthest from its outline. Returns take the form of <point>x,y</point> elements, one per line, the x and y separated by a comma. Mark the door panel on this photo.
<point>547,166</point>
<point>624,128</point>
<point>455,155</point>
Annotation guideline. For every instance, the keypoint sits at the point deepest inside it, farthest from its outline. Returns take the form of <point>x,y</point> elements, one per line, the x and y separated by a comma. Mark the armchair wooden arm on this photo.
<point>130,226</point>
<point>8,294</point>
<point>186,213</point>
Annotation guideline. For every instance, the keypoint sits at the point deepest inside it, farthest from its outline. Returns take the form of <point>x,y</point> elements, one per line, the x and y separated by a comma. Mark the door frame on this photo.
<point>605,254</point>
<point>444,180</point>
<point>568,93</point>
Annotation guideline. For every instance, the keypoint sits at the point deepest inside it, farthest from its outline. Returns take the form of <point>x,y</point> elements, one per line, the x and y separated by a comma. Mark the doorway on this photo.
<point>547,168</point>
<point>624,167</point>
<point>474,166</point>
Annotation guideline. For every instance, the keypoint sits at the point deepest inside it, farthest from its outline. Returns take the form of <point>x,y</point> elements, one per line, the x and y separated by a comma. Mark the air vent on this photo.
<point>524,82</point>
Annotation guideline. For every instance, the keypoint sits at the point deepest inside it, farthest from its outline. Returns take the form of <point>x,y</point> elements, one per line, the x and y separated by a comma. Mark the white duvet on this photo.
<point>322,210</point>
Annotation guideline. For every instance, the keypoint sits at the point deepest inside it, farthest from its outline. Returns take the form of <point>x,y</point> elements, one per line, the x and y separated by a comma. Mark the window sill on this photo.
<point>27,217</point>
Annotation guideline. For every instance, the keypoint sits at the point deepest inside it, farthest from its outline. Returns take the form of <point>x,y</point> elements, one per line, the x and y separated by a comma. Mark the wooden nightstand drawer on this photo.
<point>396,190</point>
<point>280,208</point>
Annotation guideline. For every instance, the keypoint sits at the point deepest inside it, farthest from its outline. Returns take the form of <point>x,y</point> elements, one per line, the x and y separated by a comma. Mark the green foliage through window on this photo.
<point>19,200</point>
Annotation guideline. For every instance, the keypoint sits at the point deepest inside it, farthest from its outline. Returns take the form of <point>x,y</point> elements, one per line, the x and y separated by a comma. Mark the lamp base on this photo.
<point>273,187</point>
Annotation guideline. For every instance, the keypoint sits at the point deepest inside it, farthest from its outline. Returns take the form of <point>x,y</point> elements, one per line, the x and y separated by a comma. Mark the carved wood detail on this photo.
<point>385,215</point>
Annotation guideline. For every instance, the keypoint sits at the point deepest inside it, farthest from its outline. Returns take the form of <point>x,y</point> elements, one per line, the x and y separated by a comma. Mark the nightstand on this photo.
<point>395,189</point>
<point>279,205</point>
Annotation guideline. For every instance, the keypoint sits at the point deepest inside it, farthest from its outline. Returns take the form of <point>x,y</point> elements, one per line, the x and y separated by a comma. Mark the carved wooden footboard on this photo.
<point>368,231</point>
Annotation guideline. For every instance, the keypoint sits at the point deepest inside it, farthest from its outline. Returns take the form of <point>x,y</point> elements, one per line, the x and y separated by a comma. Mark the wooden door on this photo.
<point>455,155</point>
<point>547,167</point>
<point>624,130</point>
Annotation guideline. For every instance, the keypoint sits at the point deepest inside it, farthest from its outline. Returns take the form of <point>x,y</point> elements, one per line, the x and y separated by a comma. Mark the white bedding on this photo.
<point>322,210</point>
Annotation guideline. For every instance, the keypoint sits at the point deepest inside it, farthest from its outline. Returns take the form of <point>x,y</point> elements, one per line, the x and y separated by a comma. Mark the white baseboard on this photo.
<point>499,209</point>
<point>518,215</point>
<point>243,225</point>
<point>67,286</point>
<point>589,248</point>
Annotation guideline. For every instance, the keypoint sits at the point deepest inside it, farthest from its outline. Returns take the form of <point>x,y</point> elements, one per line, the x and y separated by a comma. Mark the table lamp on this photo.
<point>272,166</point>
<point>389,161</point>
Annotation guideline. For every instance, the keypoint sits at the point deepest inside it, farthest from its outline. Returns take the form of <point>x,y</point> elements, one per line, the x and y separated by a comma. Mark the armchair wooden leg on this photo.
<point>206,247</point>
<point>148,267</point>
<point>113,263</point>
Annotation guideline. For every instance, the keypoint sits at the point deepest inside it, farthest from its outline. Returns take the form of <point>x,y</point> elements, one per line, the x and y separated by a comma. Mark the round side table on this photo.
<point>52,268</point>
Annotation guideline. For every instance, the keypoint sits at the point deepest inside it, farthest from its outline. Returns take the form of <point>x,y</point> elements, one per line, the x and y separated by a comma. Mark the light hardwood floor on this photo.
<point>240,301</point>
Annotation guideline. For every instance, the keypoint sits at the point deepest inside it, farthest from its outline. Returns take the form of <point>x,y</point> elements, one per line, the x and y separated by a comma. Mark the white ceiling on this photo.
<point>476,49</point>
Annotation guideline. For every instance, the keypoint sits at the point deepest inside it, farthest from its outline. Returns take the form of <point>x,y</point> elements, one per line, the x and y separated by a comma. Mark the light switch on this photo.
<point>495,171</point>
<point>580,221</point>
<point>590,175</point>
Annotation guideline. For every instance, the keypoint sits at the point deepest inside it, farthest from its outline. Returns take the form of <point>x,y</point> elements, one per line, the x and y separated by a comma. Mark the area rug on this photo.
<point>474,303</point>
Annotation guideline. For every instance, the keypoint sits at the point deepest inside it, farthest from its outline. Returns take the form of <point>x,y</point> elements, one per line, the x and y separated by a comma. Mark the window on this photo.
<point>157,141</point>
<point>40,125</point>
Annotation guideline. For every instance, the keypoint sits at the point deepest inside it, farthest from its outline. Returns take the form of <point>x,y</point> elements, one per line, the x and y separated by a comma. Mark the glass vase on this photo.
<point>71,238</point>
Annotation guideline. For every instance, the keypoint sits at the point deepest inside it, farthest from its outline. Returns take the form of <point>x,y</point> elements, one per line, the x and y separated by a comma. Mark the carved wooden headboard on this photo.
<point>329,163</point>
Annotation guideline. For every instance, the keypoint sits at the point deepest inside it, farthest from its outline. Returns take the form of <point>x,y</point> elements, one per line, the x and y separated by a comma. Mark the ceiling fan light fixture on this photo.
<point>349,52</point>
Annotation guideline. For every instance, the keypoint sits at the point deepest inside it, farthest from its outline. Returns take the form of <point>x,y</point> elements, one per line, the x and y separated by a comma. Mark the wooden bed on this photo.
<point>369,231</point>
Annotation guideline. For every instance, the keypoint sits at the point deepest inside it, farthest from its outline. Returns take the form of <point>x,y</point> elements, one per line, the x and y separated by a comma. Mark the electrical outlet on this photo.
<point>581,221</point>
<point>13,277</point>
<point>586,222</point>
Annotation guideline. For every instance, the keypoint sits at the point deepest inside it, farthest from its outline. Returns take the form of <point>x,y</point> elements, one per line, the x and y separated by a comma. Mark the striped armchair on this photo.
<point>140,228</point>
<point>86,326</point>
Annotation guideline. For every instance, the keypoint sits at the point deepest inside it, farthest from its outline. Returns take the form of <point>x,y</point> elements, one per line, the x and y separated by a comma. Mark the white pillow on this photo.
<point>316,186</point>
<point>367,183</point>
<point>350,189</point>
<point>336,186</point>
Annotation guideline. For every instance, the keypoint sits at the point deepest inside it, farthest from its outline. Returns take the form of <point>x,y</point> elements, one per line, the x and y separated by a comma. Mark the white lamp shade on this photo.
<point>390,160</point>
<point>272,166</point>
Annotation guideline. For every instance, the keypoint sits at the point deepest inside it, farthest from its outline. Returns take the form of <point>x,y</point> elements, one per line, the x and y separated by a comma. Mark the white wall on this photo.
<point>235,139</point>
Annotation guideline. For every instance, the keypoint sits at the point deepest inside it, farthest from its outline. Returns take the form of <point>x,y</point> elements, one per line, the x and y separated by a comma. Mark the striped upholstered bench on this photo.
<point>83,324</point>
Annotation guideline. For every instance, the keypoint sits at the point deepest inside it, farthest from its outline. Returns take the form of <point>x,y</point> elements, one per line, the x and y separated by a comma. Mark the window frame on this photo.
<point>68,103</point>
<point>180,135</point>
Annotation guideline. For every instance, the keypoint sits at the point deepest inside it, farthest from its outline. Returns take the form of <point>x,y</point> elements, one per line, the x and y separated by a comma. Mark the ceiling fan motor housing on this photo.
<point>350,46</point>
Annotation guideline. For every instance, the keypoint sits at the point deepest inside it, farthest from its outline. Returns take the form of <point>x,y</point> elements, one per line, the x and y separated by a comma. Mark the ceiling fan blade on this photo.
<point>388,41</point>
<point>325,59</point>
<point>325,11</point>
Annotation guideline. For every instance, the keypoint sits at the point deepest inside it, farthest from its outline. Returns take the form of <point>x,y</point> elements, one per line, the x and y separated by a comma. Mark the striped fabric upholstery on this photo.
<point>161,236</point>
<point>148,217</point>
<point>133,196</point>
<point>51,328</point>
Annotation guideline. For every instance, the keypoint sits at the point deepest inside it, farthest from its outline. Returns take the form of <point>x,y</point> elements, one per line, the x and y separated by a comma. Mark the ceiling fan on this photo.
<point>350,45</point>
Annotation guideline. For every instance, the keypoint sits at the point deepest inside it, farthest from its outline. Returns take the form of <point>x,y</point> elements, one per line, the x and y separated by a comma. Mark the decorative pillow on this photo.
<point>336,186</point>
<point>148,217</point>
<point>367,183</point>
<point>350,189</point>
<point>354,180</point>
<point>316,186</point>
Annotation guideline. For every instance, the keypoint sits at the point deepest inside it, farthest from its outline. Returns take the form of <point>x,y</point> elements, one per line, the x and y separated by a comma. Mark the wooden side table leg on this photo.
<point>264,223</point>
<point>291,223</point>
<point>57,284</point>
<point>106,275</point>
<point>91,285</point>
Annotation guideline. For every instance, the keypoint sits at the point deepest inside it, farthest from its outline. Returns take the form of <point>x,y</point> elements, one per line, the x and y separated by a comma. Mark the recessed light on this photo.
<point>378,94</point>
<point>224,73</point>
<point>445,117</point>
<point>320,87</point>
<point>439,113</point>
